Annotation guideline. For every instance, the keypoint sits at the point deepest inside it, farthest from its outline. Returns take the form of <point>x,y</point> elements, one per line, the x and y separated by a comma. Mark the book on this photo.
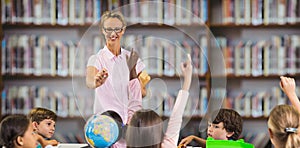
<point>169,8</point>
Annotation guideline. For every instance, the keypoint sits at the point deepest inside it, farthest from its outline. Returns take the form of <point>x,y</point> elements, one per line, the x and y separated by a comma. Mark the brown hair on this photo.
<point>112,14</point>
<point>145,130</point>
<point>281,118</point>
<point>39,114</point>
<point>11,127</point>
<point>231,119</point>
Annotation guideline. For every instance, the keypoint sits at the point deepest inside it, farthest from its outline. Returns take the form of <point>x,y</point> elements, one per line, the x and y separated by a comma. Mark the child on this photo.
<point>227,125</point>
<point>16,131</point>
<point>145,129</point>
<point>43,121</point>
<point>283,126</point>
<point>283,122</point>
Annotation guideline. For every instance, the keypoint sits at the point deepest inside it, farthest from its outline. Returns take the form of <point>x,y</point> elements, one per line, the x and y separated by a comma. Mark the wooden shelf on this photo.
<point>22,76</point>
<point>196,118</point>
<point>255,77</point>
<point>58,117</point>
<point>175,77</point>
<point>48,26</point>
<point>57,26</point>
<point>235,26</point>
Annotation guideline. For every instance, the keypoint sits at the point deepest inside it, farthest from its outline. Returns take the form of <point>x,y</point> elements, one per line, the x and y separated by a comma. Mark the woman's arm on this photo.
<point>94,77</point>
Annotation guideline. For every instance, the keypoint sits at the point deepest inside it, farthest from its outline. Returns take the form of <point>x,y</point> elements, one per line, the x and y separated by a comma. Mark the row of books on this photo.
<point>163,102</point>
<point>255,104</point>
<point>37,55</point>
<point>21,99</point>
<point>64,12</point>
<point>278,56</point>
<point>257,12</point>
<point>163,57</point>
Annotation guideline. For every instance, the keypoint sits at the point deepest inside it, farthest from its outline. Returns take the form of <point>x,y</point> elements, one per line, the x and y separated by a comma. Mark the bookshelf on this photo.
<point>258,40</point>
<point>44,78</point>
<point>222,17</point>
<point>1,81</point>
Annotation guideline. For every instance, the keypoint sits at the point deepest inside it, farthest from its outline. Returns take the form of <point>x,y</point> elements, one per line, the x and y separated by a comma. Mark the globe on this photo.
<point>101,131</point>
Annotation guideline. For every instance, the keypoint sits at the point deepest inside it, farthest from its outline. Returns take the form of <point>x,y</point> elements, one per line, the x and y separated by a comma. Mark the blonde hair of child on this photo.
<point>284,124</point>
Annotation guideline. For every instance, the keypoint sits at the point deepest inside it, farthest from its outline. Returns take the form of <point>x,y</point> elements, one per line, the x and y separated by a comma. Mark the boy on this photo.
<point>227,125</point>
<point>43,121</point>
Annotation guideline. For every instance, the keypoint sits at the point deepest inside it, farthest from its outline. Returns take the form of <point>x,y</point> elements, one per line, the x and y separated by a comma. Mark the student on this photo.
<point>16,131</point>
<point>227,125</point>
<point>43,121</point>
<point>146,127</point>
<point>283,127</point>
<point>108,71</point>
<point>288,86</point>
<point>283,122</point>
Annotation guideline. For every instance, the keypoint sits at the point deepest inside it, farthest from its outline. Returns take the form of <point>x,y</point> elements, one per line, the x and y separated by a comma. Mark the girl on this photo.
<point>283,126</point>
<point>145,129</point>
<point>16,131</point>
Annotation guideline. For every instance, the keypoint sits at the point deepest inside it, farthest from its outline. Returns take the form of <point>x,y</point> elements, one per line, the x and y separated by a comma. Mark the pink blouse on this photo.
<point>113,94</point>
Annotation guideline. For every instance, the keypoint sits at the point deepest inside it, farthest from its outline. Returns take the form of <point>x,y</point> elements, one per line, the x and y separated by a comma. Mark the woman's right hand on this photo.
<point>100,77</point>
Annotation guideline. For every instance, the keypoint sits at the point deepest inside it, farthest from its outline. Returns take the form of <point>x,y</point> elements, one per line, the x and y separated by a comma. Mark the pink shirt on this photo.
<point>134,104</point>
<point>113,94</point>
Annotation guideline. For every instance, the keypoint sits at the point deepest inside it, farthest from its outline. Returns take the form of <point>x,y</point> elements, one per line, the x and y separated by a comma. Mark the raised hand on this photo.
<point>288,86</point>
<point>131,63</point>
<point>187,70</point>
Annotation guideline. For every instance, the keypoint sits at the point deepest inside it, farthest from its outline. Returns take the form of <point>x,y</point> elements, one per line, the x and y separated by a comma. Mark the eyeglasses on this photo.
<point>110,30</point>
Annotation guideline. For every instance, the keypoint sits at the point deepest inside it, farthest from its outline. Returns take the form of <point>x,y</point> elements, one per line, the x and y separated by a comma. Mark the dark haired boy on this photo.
<point>227,125</point>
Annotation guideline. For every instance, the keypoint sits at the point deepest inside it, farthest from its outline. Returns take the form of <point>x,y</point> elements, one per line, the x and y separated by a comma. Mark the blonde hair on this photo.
<point>112,14</point>
<point>281,119</point>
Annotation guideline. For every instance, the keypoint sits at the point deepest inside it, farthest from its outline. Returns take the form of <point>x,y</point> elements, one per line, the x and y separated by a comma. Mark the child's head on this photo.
<point>283,126</point>
<point>227,125</point>
<point>43,121</point>
<point>145,130</point>
<point>16,131</point>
